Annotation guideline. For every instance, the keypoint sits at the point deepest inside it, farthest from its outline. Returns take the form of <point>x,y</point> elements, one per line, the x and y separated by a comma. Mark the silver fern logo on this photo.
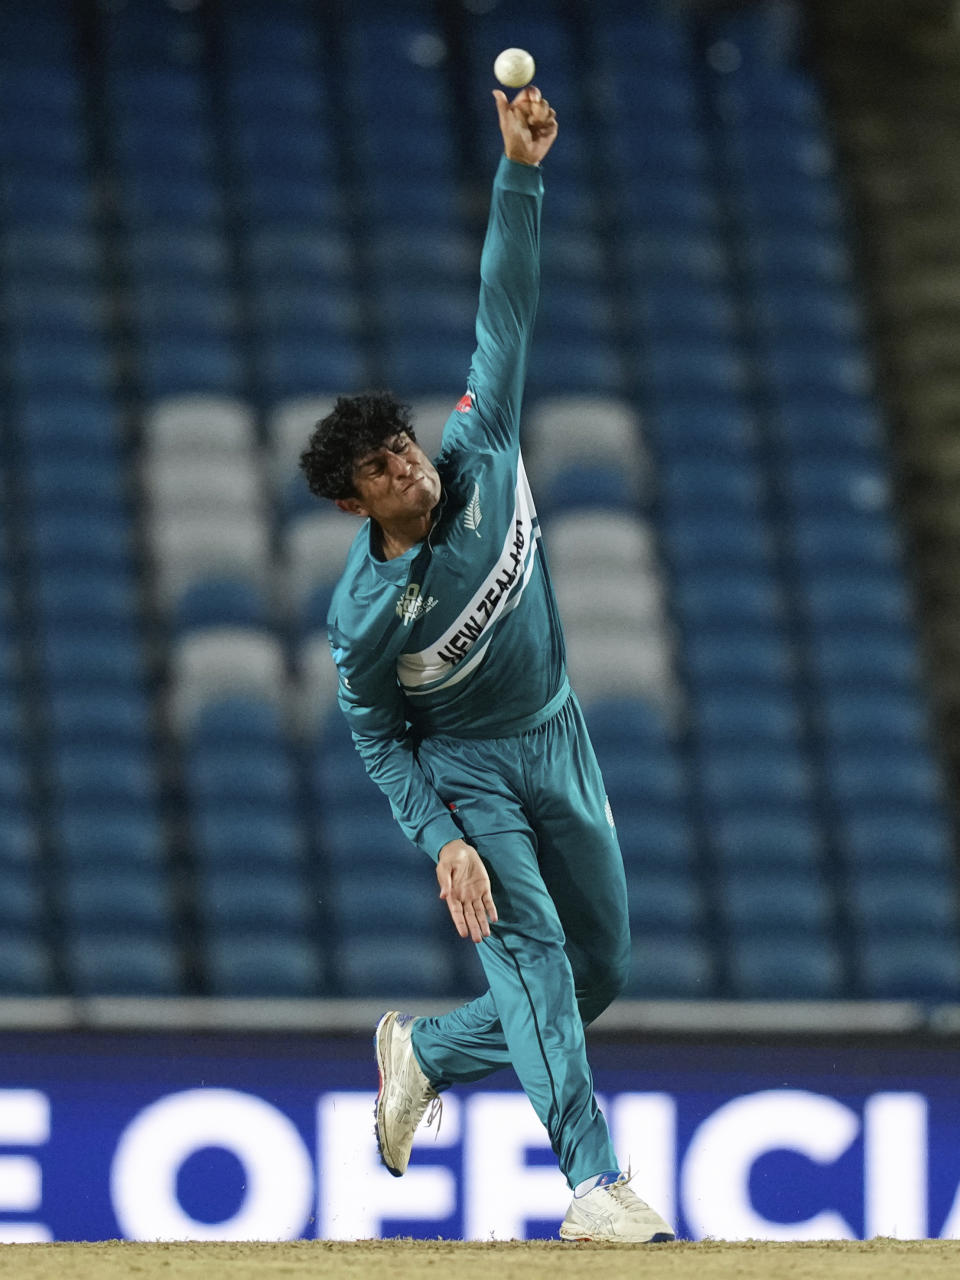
<point>473,515</point>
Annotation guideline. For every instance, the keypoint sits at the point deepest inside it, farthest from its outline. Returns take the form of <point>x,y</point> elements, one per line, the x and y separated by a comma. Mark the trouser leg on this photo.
<point>529,1018</point>
<point>560,952</point>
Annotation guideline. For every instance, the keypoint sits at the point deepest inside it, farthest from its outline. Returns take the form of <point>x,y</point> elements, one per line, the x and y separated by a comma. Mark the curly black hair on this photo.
<point>355,427</point>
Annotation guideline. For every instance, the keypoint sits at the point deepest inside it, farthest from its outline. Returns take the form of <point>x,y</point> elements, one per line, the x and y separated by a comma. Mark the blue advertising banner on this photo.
<point>211,1137</point>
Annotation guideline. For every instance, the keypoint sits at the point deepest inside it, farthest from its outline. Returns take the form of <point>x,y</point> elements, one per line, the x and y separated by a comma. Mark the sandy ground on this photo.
<point>414,1259</point>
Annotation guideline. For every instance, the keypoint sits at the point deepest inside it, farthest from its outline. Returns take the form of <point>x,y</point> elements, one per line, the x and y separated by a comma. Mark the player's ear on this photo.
<point>352,505</point>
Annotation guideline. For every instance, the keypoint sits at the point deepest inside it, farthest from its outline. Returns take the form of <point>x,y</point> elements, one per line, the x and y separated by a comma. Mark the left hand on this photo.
<point>528,124</point>
<point>465,888</point>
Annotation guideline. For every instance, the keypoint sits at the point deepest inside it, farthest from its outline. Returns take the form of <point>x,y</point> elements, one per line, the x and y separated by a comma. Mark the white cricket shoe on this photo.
<point>614,1213</point>
<point>405,1092</point>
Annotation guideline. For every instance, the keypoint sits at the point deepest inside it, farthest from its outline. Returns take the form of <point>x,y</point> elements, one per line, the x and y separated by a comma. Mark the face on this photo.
<point>395,482</point>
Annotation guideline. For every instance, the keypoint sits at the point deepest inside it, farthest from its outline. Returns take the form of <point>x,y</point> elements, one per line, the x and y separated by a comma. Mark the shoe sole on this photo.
<point>661,1237</point>
<point>377,1036</point>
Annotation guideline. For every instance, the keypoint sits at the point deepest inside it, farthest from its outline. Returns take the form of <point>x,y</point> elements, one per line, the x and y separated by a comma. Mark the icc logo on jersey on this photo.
<point>412,605</point>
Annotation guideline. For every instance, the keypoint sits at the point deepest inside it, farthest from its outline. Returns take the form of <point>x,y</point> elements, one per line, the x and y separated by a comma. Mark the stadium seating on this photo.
<point>209,229</point>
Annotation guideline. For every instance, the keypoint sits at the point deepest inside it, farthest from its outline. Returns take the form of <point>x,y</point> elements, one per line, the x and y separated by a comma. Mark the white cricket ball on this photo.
<point>514,68</point>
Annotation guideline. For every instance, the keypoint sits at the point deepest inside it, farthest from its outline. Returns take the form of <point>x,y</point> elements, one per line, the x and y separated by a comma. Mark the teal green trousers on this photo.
<point>535,808</point>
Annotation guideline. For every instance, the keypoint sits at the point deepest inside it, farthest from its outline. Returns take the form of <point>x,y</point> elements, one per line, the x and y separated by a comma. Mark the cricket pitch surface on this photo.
<point>510,1260</point>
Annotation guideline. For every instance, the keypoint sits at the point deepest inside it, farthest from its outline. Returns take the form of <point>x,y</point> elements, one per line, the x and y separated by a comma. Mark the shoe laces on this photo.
<point>435,1113</point>
<point>621,1190</point>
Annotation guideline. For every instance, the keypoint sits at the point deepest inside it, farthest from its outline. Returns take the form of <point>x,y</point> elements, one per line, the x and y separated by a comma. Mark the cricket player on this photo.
<point>445,631</point>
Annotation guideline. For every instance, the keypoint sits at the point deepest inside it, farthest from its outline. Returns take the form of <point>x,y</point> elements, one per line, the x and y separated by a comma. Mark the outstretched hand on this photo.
<point>465,888</point>
<point>528,124</point>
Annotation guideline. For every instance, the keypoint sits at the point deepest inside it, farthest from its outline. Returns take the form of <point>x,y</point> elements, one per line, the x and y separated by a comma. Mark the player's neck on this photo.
<point>395,538</point>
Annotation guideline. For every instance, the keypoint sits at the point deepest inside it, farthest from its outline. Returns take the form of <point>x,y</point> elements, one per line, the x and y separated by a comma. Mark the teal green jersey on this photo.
<point>460,637</point>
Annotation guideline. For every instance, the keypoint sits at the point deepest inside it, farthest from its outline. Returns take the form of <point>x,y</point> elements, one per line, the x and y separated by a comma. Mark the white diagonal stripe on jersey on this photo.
<point>471,630</point>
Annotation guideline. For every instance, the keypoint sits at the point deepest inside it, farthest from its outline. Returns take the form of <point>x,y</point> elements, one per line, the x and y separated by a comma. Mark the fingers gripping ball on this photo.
<point>514,68</point>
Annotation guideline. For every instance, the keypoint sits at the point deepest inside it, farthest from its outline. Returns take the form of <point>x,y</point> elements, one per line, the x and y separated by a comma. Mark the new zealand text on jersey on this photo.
<point>458,646</point>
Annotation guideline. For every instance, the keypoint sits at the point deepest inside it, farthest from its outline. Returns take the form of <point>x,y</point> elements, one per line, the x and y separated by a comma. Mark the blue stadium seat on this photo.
<point>221,602</point>
<point>94,655</point>
<point>366,902</point>
<point>824,311</point>
<point>101,596</point>
<point>75,363</point>
<point>674,253</point>
<point>22,904</point>
<point>772,898</point>
<point>265,839</point>
<point>301,313</point>
<point>250,776</point>
<point>563,365</point>
<point>234,900</point>
<point>86,832</point>
<point>104,773</point>
<point>11,716</point>
<point>164,310</point>
<point>157,259</point>
<point>846,485</point>
<point>712,599</point>
<point>69,483</point>
<point>376,840</point>
<point>291,369</point>
<point>589,485</point>
<point>700,366</point>
<point>180,364</point>
<point>260,38</point>
<point>628,723</point>
<point>671,967</point>
<point>818,423</point>
<point>116,897</point>
<point>874,715</point>
<point>883,658</point>
<point>42,85</point>
<point>701,426</point>
<point>50,200</point>
<point>822,540</point>
<point>747,714</point>
<point>767,836</point>
<point>720,486</point>
<point>726,657</point>
<point>668,201</point>
<point>240,721</point>
<point>664,899</point>
<point>884,833</point>
<point>13,778</point>
<point>911,899</point>
<point>390,964</point>
<point>19,838</point>
<point>289,199</point>
<point>861,774</point>
<point>861,598</point>
<point>405,254</point>
<point>26,965</point>
<point>85,540</point>
<point>806,256</point>
<point>649,774</point>
<point>52,421</point>
<point>94,716</point>
<point>706,311</point>
<point>914,966</point>
<point>121,964</point>
<point>698,538</point>
<point>795,202</point>
<point>654,839</point>
<point>786,966</point>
